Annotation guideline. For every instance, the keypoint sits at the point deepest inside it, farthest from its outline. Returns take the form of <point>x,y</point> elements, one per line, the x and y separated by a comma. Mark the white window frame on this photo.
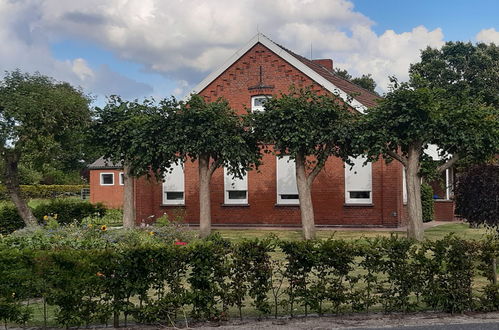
<point>351,171</point>
<point>449,185</point>
<point>404,186</point>
<point>280,190</point>
<point>180,188</point>
<point>122,178</point>
<point>256,108</point>
<point>102,180</point>
<point>235,184</point>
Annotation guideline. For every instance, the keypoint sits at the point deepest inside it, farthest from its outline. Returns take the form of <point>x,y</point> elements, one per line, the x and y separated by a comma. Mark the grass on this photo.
<point>461,230</point>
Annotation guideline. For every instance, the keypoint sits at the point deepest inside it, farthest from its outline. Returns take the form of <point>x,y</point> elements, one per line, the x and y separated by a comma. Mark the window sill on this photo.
<point>173,205</point>
<point>235,205</point>
<point>287,205</point>
<point>443,200</point>
<point>358,205</point>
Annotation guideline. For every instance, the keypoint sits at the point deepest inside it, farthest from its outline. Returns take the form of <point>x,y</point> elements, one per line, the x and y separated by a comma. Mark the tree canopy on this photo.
<point>41,120</point>
<point>309,129</point>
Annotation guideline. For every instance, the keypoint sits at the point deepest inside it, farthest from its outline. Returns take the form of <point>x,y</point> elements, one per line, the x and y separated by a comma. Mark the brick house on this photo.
<point>370,196</point>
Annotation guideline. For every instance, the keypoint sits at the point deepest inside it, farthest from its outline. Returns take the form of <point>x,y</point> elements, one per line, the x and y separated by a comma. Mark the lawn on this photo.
<point>459,229</point>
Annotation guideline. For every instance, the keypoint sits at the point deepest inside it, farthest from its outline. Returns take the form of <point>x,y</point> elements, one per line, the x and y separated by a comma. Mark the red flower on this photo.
<point>180,243</point>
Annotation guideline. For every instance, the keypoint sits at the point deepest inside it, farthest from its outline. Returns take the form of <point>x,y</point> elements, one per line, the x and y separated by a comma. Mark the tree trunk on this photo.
<point>413,183</point>
<point>305,196</point>
<point>204,196</point>
<point>11,179</point>
<point>128,200</point>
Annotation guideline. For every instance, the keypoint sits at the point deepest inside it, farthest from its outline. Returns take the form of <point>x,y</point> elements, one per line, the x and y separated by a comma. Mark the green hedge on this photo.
<point>67,210</point>
<point>45,191</point>
<point>160,284</point>
<point>427,202</point>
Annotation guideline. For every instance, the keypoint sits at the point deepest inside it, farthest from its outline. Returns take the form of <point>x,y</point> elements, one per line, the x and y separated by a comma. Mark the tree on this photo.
<point>366,81</point>
<point>40,119</point>
<point>409,118</point>
<point>118,133</point>
<point>209,133</point>
<point>309,128</point>
<point>477,195</point>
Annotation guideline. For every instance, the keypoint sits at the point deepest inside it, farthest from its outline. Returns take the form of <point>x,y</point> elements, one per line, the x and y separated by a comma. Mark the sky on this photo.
<point>158,48</point>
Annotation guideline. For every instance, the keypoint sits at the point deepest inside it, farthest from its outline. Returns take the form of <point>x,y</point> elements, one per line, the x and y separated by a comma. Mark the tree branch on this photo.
<point>213,166</point>
<point>448,164</point>
<point>320,165</point>
<point>396,156</point>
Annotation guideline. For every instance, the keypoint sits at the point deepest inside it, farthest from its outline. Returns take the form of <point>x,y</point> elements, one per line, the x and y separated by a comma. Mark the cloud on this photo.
<point>185,40</point>
<point>488,36</point>
<point>27,47</point>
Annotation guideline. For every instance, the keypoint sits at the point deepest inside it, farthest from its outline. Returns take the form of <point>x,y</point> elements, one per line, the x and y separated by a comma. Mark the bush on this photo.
<point>68,210</point>
<point>157,282</point>
<point>45,191</point>
<point>427,203</point>
<point>9,219</point>
<point>477,195</point>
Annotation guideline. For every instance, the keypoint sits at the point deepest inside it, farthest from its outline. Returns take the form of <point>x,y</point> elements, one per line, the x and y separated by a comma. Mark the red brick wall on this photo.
<point>111,196</point>
<point>444,210</point>
<point>327,192</point>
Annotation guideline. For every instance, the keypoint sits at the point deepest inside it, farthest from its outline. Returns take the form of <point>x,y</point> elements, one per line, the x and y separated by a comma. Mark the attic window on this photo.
<point>107,179</point>
<point>258,102</point>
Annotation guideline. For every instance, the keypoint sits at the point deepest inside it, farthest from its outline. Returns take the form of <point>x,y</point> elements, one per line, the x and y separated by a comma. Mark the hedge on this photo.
<point>427,202</point>
<point>160,284</point>
<point>44,191</point>
<point>67,210</point>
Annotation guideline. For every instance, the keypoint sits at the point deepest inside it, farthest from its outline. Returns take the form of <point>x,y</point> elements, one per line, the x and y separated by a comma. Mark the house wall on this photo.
<point>328,189</point>
<point>444,210</point>
<point>111,196</point>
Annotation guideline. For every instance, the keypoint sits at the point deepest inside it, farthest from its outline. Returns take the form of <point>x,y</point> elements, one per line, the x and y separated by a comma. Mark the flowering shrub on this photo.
<point>161,282</point>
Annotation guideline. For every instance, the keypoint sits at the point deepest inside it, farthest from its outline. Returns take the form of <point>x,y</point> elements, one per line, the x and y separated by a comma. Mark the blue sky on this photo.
<point>160,48</point>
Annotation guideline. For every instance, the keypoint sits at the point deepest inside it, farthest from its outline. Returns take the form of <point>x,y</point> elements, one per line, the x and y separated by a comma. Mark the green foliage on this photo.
<point>366,81</point>
<point>63,210</point>
<point>161,282</point>
<point>464,70</point>
<point>303,123</point>
<point>111,217</point>
<point>68,210</point>
<point>43,121</point>
<point>427,202</point>
<point>9,219</point>
<point>45,191</point>
<point>477,195</point>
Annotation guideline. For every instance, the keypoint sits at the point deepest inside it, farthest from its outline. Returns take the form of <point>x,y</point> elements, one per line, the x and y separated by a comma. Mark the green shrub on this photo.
<point>45,191</point>
<point>427,202</point>
<point>68,210</point>
<point>159,282</point>
<point>9,219</point>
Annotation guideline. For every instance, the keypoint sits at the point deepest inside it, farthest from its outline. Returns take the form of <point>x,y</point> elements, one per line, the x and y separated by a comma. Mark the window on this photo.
<point>122,178</point>
<point>287,190</point>
<point>358,182</point>
<point>258,103</point>
<point>107,179</point>
<point>173,186</point>
<point>443,188</point>
<point>404,186</point>
<point>236,190</point>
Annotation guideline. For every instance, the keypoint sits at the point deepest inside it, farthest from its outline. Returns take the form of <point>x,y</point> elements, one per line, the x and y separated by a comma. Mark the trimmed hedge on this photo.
<point>161,284</point>
<point>45,191</point>
<point>427,202</point>
<point>67,210</point>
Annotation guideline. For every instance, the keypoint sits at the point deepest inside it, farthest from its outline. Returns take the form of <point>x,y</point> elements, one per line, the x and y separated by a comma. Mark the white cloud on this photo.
<point>185,39</point>
<point>488,36</point>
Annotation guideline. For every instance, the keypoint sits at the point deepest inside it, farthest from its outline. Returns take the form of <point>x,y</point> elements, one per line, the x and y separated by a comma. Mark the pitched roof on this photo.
<point>356,96</point>
<point>361,94</point>
<point>104,164</point>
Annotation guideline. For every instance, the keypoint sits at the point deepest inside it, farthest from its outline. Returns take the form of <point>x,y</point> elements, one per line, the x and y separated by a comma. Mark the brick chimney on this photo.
<point>325,62</point>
